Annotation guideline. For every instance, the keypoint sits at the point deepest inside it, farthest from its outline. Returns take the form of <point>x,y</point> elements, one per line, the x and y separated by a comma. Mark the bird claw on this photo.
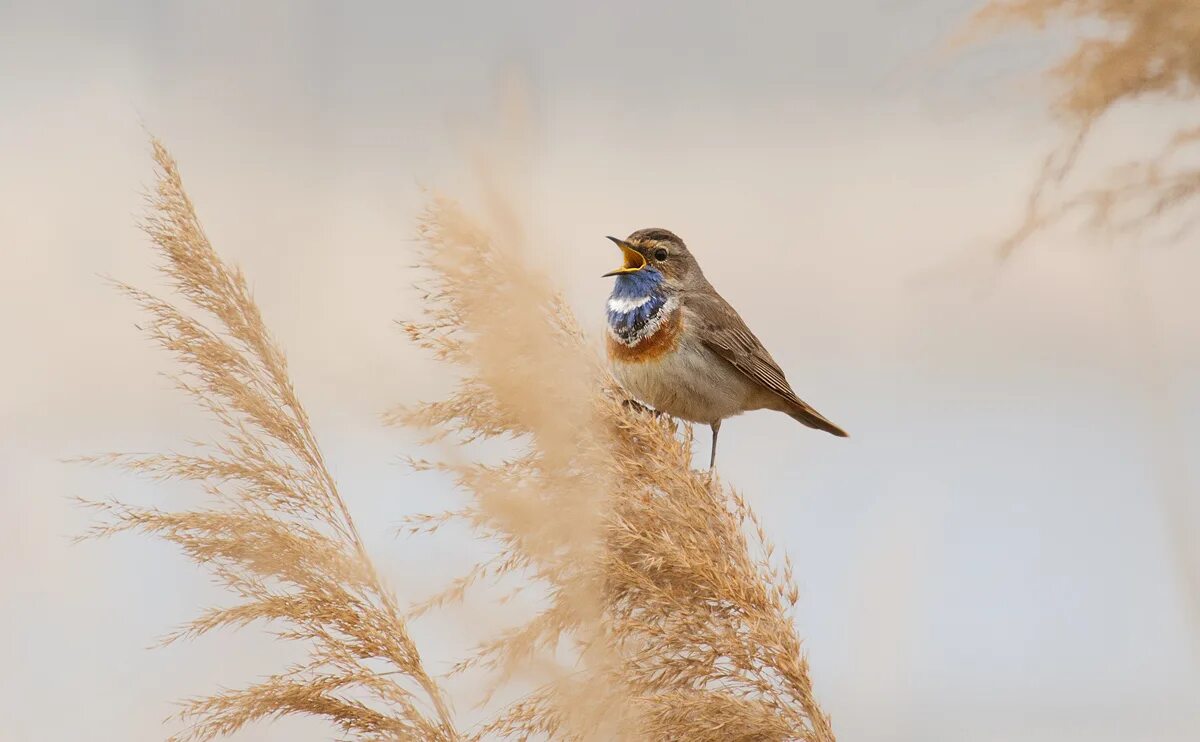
<point>658,415</point>
<point>637,406</point>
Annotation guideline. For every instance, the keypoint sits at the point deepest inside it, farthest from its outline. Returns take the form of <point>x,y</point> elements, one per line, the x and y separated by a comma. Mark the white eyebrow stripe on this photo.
<point>622,305</point>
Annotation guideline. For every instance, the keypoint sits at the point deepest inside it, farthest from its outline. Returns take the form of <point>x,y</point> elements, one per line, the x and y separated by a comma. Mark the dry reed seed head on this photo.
<point>644,563</point>
<point>1145,47</point>
<point>1142,49</point>
<point>277,534</point>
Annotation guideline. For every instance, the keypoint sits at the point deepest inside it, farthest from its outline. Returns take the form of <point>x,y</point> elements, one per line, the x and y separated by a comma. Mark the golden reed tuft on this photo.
<point>665,615</point>
<point>276,532</point>
<point>677,623</point>
<point>1133,50</point>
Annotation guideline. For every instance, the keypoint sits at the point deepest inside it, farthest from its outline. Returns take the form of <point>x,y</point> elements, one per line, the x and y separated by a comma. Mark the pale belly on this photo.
<point>691,383</point>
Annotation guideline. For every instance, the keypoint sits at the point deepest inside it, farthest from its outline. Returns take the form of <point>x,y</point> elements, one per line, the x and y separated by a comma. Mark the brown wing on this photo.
<point>724,332</point>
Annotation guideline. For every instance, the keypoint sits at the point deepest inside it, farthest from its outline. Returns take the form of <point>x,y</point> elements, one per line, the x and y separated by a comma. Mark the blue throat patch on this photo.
<point>644,284</point>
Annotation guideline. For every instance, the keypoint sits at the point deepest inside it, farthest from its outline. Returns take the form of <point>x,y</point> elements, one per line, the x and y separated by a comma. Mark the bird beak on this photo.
<point>634,260</point>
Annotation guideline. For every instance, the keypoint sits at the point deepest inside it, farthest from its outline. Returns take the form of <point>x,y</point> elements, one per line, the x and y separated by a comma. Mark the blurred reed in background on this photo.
<point>1123,51</point>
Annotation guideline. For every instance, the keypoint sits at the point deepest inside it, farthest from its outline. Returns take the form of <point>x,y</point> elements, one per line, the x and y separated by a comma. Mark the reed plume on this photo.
<point>664,614</point>
<point>660,584</point>
<point>275,532</point>
<point>1143,50</point>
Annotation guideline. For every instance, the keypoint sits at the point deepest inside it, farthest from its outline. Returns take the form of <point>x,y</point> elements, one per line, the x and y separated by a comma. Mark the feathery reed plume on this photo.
<point>1147,48</point>
<point>276,532</point>
<point>665,615</point>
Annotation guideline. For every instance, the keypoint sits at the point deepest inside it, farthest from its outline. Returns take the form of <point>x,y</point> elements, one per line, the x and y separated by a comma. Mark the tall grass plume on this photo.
<point>276,532</point>
<point>676,618</point>
<point>1126,51</point>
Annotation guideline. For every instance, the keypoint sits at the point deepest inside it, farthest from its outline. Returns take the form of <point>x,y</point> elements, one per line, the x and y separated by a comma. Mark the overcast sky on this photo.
<point>986,559</point>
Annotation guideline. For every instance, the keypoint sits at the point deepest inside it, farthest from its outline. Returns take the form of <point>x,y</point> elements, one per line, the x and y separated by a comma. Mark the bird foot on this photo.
<point>658,415</point>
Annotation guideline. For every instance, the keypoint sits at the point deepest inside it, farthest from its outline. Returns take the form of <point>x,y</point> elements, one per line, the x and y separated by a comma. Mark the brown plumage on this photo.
<point>726,333</point>
<point>716,367</point>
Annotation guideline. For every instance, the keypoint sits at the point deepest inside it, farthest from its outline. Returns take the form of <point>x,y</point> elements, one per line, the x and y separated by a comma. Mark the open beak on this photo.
<point>634,260</point>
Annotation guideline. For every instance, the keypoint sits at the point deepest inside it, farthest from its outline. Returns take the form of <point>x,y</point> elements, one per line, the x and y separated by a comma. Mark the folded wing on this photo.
<point>723,331</point>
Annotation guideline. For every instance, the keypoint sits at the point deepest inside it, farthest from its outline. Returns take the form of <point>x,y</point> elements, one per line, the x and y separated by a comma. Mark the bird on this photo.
<point>676,345</point>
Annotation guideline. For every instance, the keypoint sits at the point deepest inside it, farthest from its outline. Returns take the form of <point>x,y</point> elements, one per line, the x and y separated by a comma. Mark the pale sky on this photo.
<point>986,559</point>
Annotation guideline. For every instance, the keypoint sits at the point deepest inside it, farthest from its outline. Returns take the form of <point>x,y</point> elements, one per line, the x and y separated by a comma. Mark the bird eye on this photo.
<point>660,254</point>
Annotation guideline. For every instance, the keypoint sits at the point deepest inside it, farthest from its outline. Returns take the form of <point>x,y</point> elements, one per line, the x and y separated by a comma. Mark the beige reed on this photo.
<point>1126,51</point>
<point>276,532</point>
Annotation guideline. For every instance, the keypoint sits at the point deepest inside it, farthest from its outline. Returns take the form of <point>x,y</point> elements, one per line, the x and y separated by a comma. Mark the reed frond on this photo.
<point>665,613</point>
<point>1127,50</point>
<point>276,532</point>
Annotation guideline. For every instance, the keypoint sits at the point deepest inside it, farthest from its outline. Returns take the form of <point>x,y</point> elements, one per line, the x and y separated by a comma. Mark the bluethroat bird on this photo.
<point>676,345</point>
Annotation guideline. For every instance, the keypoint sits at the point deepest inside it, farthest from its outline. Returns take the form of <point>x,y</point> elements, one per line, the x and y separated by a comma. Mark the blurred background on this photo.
<point>999,552</point>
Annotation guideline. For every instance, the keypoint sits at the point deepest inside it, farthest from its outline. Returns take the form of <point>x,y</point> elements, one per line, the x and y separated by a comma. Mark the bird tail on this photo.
<point>801,412</point>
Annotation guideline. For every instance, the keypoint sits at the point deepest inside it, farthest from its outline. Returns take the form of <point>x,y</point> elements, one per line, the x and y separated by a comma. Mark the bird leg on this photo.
<point>712,459</point>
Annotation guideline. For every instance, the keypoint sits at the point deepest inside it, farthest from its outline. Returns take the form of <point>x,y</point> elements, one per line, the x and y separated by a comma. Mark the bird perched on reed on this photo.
<point>676,345</point>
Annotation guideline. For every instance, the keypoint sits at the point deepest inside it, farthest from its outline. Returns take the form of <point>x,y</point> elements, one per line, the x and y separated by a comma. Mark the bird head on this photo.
<point>657,251</point>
